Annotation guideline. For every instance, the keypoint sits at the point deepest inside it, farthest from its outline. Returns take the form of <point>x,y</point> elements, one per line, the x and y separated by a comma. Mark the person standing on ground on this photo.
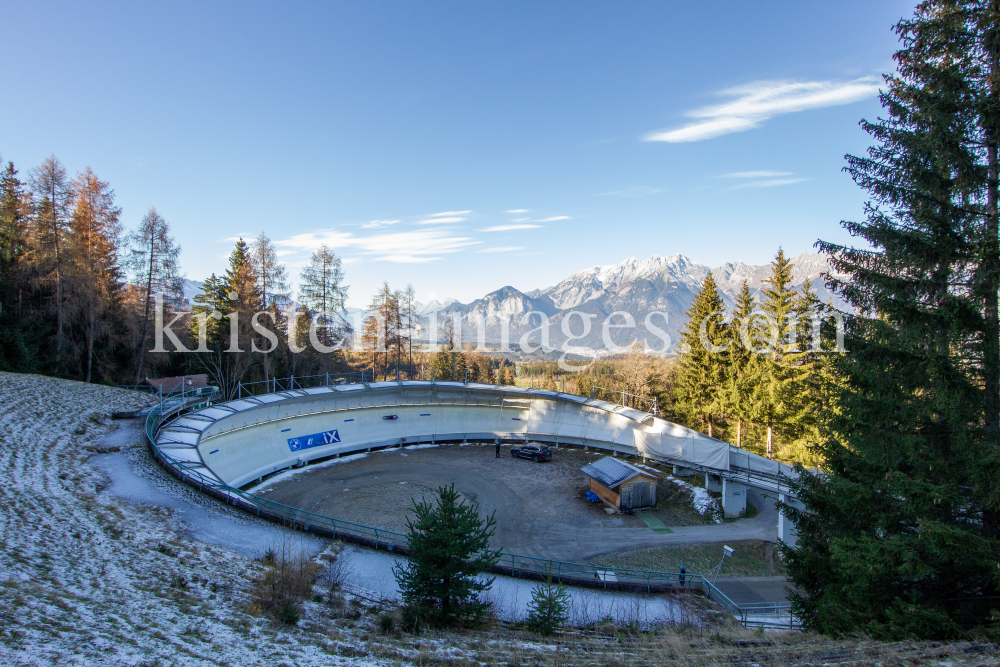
<point>680,576</point>
<point>498,449</point>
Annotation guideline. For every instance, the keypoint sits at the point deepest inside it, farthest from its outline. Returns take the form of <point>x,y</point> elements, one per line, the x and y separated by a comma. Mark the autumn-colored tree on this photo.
<point>93,251</point>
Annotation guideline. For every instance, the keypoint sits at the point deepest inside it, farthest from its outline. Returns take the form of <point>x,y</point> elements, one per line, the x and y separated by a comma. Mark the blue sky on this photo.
<point>458,146</point>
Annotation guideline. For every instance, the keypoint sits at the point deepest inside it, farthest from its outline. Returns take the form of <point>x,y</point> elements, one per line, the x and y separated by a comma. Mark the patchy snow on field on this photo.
<point>701,500</point>
<point>107,560</point>
<point>372,576</point>
<point>89,579</point>
<point>264,486</point>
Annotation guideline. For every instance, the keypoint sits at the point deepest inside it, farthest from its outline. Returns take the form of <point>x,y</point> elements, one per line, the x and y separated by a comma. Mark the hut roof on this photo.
<point>611,472</point>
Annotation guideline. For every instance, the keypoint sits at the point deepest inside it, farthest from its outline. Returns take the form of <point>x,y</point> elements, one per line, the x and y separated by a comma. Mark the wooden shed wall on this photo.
<point>604,493</point>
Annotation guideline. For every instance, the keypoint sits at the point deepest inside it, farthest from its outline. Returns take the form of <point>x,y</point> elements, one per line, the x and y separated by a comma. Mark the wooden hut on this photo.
<point>621,485</point>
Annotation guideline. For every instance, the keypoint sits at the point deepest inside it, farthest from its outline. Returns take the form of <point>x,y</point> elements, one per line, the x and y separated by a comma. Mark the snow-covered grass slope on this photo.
<point>87,578</point>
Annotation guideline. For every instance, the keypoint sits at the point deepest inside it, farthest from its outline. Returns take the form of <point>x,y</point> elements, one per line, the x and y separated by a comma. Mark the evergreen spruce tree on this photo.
<point>210,300</point>
<point>21,344</point>
<point>702,361</point>
<point>449,549</point>
<point>901,537</point>
<point>235,296</point>
<point>741,368</point>
<point>816,341</point>
<point>50,228</point>
<point>781,369</point>
<point>549,606</point>
<point>14,211</point>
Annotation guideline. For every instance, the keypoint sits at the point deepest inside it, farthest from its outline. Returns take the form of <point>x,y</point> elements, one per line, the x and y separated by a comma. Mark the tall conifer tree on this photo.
<point>902,537</point>
<point>780,373</point>
<point>741,368</point>
<point>93,251</point>
<point>51,188</point>
<point>323,292</point>
<point>700,379</point>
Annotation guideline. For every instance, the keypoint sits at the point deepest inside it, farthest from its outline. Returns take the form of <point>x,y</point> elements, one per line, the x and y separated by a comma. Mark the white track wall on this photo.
<point>243,440</point>
<point>240,441</point>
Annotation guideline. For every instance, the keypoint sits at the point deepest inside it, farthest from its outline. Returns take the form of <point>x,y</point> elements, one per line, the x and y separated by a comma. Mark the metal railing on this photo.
<point>514,565</point>
<point>274,385</point>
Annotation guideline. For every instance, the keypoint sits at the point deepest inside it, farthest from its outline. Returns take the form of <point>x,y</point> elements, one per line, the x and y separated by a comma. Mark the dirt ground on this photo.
<point>540,507</point>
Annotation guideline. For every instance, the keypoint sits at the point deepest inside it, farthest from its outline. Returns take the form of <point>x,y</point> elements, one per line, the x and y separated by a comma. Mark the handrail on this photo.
<point>754,614</point>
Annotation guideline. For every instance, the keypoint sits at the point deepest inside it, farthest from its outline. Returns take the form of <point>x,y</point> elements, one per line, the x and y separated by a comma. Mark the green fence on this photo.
<point>514,565</point>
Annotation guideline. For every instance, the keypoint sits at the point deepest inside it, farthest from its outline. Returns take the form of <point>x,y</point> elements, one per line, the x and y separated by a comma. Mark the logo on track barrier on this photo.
<point>314,440</point>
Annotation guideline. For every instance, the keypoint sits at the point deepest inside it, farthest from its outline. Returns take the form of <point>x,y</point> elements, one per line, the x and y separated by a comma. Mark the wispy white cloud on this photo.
<point>419,245</point>
<point>509,228</point>
<point>442,221</point>
<point>448,213</point>
<point>756,174</point>
<point>751,105</point>
<point>518,210</point>
<point>770,183</point>
<point>406,259</point>
<point>375,224</point>
<point>632,193</point>
<point>502,249</point>
<point>521,219</point>
<point>554,218</point>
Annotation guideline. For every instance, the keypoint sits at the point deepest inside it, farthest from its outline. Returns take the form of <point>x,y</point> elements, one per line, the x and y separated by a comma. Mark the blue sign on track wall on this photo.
<point>314,440</point>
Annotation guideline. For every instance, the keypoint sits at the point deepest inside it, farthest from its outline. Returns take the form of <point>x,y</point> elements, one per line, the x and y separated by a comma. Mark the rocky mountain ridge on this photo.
<point>655,293</point>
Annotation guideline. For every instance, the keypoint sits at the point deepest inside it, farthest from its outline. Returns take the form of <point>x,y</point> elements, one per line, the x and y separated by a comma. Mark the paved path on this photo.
<point>747,590</point>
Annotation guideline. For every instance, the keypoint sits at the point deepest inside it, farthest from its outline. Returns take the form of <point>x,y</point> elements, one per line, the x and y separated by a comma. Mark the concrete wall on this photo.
<point>786,527</point>
<point>734,498</point>
<point>244,445</point>
<point>240,441</point>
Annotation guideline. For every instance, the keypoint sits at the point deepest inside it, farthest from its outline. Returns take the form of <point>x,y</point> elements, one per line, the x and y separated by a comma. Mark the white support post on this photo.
<point>734,498</point>
<point>786,527</point>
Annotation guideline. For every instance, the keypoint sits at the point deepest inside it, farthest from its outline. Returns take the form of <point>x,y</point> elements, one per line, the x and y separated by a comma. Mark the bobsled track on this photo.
<point>221,447</point>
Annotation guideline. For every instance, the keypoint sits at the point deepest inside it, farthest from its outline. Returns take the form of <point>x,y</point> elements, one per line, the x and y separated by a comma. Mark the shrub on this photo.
<point>549,606</point>
<point>286,581</point>
<point>386,624</point>
<point>288,614</point>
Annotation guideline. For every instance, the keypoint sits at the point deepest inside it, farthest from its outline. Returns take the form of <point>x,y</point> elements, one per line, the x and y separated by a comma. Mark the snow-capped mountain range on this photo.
<point>649,290</point>
<point>663,285</point>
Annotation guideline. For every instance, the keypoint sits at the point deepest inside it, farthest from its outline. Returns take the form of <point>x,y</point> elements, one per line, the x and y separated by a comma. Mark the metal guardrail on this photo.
<point>515,565</point>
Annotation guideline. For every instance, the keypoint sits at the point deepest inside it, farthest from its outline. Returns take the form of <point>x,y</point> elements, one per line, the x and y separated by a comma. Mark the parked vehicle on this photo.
<point>390,417</point>
<point>534,452</point>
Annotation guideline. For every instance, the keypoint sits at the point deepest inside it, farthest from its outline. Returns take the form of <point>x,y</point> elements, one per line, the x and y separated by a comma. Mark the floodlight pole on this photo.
<point>726,553</point>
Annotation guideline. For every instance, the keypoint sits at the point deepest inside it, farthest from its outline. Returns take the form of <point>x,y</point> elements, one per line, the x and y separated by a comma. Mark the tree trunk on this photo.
<point>739,432</point>
<point>59,303</point>
<point>90,342</point>
<point>141,352</point>
<point>769,431</point>
<point>991,288</point>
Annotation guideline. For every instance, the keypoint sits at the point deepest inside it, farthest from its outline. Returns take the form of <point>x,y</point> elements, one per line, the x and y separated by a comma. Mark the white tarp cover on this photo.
<point>683,444</point>
<point>757,463</point>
